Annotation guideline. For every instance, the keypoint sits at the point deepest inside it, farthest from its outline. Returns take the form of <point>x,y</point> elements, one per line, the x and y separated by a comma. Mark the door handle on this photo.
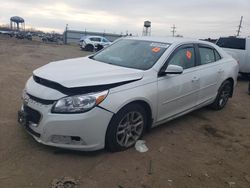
<point>220,71</point>
<point>195,79</point>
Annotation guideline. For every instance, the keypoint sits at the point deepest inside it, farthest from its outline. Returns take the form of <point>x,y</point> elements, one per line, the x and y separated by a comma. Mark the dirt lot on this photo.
<point>205,149</point>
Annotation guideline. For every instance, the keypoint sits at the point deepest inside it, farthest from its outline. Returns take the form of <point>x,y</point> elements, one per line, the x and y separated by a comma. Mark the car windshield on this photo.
<point>131,53</point>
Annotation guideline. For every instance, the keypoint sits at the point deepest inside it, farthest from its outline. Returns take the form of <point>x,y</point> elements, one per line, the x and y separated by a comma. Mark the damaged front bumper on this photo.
<point>83,131</point>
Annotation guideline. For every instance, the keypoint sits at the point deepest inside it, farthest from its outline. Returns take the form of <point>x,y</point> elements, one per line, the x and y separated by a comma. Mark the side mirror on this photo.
<point>173,69</point>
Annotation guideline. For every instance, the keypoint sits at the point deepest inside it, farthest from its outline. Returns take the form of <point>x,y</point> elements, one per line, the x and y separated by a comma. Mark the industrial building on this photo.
<point>73,36</point>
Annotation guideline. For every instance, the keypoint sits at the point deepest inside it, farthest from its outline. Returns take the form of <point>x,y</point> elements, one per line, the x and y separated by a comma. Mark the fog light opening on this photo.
<point>73,140</point>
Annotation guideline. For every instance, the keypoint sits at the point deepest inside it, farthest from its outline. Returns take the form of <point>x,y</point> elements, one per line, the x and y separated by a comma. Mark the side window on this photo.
<point>217,55</point>
<point>98,39</point>
<point>104,40</point>
<point>184,57</point>
<point>207,55</point>
<point>95,39</point>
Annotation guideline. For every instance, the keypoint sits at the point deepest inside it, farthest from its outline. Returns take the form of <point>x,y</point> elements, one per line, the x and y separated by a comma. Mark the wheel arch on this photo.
<point>148,109</point>
<point>89,45</point>
<point>231,80</point>
<point>142,103</point>
<point>146,106</point>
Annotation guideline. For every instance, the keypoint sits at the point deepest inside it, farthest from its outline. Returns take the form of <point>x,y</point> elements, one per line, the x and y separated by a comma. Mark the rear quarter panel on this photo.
<point>230,70</point>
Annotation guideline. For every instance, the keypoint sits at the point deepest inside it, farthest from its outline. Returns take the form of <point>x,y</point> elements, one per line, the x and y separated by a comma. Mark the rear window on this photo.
<point>233,43</point>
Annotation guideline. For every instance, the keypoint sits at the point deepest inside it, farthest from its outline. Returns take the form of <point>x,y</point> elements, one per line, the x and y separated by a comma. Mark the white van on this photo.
<point>239,48</point>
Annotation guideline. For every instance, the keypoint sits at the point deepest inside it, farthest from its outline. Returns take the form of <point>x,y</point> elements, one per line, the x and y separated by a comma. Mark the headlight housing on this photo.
<point>79,103</point>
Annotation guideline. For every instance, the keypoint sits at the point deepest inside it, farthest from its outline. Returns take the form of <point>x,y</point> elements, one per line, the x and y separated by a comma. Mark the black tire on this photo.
<point>224,93</point>
<point>89,48</point>
<point>118,128</point>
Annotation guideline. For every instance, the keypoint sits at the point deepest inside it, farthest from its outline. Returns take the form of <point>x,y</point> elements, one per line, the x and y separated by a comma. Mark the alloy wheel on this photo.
<point>130,129</point>
<point>225,94</point>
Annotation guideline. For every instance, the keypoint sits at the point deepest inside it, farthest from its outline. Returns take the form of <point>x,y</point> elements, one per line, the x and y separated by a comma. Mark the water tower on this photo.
<point>17,23</point>
<point>146,28</point>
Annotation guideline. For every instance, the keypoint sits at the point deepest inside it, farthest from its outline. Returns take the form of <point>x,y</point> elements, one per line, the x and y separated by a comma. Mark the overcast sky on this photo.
<point>193,18</point>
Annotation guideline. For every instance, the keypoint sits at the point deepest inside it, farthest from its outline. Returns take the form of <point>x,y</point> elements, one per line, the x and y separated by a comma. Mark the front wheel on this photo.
<point>223,95</point>
<point>89,48</point>
<point>126,127</point>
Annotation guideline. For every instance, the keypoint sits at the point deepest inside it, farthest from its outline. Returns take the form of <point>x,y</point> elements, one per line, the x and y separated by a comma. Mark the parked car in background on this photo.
<point>52,37</point>
<point>24,35</point>
<point>93,43</point>
<point>239,48</point>
<point>110,98</point>
<point>6,32</point>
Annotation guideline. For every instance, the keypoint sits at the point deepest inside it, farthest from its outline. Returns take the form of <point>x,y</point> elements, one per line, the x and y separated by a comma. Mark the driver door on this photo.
<point>178,93</point>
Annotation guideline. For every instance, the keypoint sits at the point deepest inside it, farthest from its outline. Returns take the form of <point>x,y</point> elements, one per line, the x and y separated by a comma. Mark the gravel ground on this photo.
<point>208,149</point>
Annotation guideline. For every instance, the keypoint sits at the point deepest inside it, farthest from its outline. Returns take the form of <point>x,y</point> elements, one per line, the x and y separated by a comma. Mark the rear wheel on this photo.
<point>223,95</point>
<point>126,127</point>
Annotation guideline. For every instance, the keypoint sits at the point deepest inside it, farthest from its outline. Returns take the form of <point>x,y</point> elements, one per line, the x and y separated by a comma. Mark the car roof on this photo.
<point>170,40</point>
<point>90,36</point>
<point>233,37</point>
<point>94,36</point>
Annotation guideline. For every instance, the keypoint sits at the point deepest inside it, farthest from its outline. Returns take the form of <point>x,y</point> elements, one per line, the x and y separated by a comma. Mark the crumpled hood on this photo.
<point>81,72</point>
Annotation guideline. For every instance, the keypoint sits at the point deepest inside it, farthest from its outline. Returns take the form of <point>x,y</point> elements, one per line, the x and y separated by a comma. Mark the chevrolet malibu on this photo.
<point>108,100</point>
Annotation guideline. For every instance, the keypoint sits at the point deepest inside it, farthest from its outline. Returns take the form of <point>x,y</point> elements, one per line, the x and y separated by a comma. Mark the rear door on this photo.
<point>178,93</point>
<point>211,69</point>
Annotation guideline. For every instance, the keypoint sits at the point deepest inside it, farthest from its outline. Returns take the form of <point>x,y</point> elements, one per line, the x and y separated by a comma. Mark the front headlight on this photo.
<point>79,103</point>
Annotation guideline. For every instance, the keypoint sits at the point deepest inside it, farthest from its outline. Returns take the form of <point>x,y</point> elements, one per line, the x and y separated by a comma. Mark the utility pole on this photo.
<point>173,30</point>
<point>240,26</point>
<point>66,34</point>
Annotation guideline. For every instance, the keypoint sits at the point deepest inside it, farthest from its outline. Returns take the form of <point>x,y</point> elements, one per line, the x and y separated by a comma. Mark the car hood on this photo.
<point>83,72</point>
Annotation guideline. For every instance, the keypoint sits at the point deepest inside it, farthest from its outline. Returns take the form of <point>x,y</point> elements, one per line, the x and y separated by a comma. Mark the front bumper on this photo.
<point>84,131</point>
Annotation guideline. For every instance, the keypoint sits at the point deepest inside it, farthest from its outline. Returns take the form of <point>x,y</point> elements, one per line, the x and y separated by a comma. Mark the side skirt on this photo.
<point>209,101</point>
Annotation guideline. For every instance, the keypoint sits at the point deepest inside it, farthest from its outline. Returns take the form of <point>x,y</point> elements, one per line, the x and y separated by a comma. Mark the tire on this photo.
<point>125,128</point>
<point>89,48</point>
<point>223,95</point>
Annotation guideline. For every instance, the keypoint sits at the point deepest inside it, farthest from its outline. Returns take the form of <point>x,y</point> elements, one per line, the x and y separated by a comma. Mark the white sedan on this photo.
<point>93,43</point>
<point>107,100</point>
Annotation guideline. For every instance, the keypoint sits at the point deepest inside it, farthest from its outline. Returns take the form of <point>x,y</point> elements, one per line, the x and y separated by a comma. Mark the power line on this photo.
<point>240,26</point>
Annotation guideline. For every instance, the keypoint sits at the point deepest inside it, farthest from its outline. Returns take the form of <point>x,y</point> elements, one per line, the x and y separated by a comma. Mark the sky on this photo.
<point>192,18</point>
